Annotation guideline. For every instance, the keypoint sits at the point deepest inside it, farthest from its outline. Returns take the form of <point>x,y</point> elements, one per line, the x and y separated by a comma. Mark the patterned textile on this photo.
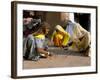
<point>60,37</point>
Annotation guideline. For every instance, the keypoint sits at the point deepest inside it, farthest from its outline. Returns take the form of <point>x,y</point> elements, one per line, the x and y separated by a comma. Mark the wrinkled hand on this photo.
<point>76,40</point>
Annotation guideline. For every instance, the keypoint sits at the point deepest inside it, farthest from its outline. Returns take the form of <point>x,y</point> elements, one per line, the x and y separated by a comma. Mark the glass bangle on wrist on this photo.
<point>48,53</point>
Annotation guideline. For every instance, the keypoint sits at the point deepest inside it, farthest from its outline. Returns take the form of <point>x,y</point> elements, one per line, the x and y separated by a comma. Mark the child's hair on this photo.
<point>42,28</point>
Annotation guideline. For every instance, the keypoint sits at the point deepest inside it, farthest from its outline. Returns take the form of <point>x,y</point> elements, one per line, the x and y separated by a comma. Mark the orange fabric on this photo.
<point>57,41</point>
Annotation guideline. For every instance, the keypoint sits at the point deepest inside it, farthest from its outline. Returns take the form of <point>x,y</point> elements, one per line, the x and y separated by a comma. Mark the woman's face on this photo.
<point>59,32</point>
<point>64,18</point>
<point>46,31</point>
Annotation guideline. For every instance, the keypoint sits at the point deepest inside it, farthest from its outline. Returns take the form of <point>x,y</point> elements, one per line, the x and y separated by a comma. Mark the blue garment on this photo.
<point>30,47</point>
<point>70,28</point>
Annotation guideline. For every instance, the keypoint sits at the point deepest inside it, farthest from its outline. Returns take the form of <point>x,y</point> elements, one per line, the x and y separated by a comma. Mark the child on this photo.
<point>35,46</point>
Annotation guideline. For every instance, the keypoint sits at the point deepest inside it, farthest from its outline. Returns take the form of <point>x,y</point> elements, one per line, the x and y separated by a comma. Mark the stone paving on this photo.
<point>60,58</point>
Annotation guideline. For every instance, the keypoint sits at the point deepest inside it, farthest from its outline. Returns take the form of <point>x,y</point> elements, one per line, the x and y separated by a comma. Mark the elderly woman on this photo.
<point>35,46</point>
<point>79,37</point>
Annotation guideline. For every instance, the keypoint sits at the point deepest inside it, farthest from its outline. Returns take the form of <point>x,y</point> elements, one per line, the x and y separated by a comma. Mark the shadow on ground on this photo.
<point>61,51</point>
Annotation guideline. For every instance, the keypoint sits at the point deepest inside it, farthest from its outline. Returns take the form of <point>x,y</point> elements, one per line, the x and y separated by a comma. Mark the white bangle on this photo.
<point>48,53</point>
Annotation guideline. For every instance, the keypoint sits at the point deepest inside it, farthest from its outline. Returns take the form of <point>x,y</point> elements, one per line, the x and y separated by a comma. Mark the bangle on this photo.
<point>48,53</point>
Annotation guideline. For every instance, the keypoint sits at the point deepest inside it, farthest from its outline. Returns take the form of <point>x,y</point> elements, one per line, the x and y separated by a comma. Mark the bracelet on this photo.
<point>48,53</point>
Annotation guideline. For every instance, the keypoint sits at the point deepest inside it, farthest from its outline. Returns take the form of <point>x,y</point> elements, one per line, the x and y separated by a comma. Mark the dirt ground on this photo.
<point>60,58</point>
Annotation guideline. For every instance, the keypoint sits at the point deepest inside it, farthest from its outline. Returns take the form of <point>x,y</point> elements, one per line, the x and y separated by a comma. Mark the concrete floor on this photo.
<point>60,58</point>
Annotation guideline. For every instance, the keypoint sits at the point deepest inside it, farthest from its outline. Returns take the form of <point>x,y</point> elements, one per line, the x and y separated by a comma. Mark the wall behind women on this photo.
<point>5,40</point>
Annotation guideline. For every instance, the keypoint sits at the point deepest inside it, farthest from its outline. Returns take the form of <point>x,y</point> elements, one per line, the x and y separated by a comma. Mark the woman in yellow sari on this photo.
<point>60,37</point>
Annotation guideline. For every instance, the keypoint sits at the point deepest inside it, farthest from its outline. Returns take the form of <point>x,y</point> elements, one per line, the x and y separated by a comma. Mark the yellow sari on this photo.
<point>60,39</point>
